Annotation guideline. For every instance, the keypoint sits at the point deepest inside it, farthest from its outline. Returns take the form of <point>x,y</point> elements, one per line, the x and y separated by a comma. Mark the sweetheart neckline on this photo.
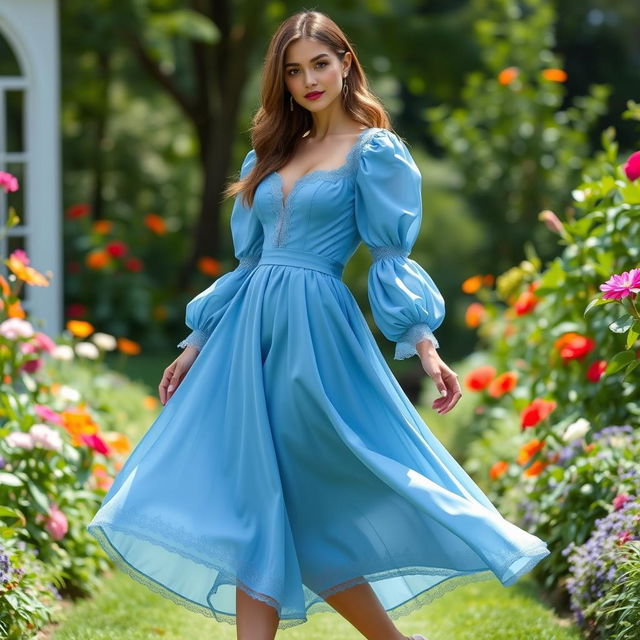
<point>284,200</point>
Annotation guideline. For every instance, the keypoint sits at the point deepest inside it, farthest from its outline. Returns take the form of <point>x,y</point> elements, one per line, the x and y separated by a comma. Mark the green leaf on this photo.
<point>619,360</point>
<point>40,498</point>
<point>632,336</point>
<point>9,479</point>
<point>596,302</point>
<point>622,324</point>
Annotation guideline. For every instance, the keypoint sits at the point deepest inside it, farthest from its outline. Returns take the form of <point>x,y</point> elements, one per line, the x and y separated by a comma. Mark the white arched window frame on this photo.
<point>30,28</point>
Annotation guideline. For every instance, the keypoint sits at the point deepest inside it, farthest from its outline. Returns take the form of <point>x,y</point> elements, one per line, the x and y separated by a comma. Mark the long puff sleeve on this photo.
<point>406,303</point>
<point>205,310</point>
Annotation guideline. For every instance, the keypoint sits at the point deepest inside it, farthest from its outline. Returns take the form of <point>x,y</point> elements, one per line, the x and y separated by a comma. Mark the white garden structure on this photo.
<point>30,149</point>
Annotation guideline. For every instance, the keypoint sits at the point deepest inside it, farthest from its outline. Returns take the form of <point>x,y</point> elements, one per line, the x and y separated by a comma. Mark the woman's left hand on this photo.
<point>445,379</point>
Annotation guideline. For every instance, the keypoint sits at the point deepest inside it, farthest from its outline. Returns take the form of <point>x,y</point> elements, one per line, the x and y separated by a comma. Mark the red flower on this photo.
<point>536,412</point>
<point>76,310</point>
<point>78,211</point>
<point>134,264</point>
<point>504,383</point>
<point>479,378</point>
<point>525,303</point>
<point>632,166</point>
<point>116,249</point>
<point>596,370</point>
<point>572,345</point>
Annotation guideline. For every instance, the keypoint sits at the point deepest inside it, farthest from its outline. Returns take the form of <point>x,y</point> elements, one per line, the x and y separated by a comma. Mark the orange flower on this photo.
<point>129,347</point>
<point>103,226</point>
<point>15,310</point>
<point>97,259</point>
<point>509,330</point>
<point>78,422</point>
<point>150,402</point>
<point>554,75</point>
<point>525,303</point>
<point>117,441</point>
<point>474,314</point>
<point>478,378</point>
<point>4,286</point>
<point>498,469</point>
<point>24,272</point>
<point>536,412</point>
<point>504,383</point>
<point>573,345</point>
<point>209,266</point>
<point>80,328</point>
<point>508,75</point>
<point>528,450</point>
<point>488,280</point>
<point>472,284</point>
<point>536,468</point>
<point>157,224</point>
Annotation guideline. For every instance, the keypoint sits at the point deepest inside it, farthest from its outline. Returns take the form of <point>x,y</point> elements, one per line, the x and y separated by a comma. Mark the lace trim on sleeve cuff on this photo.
<point>195,339</point>
<point>406,346</point>
<point>388,252</point>
<point>248,262</point>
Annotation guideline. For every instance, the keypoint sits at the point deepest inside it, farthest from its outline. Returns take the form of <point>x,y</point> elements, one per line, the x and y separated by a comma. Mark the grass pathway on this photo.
<point>123,608</point>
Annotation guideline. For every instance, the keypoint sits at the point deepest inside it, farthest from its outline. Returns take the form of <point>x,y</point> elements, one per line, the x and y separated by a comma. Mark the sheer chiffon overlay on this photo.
<point>289,462</point>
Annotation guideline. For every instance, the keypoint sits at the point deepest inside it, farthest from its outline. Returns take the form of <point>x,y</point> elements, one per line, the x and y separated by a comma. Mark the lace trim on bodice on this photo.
<point>345,170</point>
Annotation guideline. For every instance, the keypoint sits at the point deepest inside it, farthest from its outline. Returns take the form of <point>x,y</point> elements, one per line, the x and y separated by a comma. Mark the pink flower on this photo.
<point>45,413</point>
<point>96,443</point>
<point>56,523</point>
<point>8,182</point>
<point>632,166</point>
<point>43,342</point>
<point>625,536</point>
<point>620,500</point>
<point>551,220</point>
<point>622,285</point>
<point>20,255</point>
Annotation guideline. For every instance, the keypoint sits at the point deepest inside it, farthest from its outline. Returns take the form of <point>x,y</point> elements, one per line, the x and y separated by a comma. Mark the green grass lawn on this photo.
<point>124,608</point>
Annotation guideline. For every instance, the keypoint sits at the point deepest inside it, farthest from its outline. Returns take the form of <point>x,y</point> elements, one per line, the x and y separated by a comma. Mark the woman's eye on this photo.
<point>290,72</point>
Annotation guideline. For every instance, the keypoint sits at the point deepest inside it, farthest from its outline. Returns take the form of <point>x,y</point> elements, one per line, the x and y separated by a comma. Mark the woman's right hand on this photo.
<point>175,372</point>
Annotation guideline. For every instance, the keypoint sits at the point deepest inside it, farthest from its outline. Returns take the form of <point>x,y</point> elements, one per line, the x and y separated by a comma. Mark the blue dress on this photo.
<point>289,461</point>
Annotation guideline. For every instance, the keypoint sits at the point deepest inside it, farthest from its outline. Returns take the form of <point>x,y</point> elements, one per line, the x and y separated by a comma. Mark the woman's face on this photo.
<point>311,67</point>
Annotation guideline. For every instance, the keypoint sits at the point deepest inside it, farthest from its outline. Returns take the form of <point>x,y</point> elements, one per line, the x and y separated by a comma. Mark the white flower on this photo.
<point>14,328</point>
<point>104,341</point>
<point>20,439</point>
<point>87,350</point>
<point>576,430</point>
<point>45,436</point>
<point>62,352</point>
<point>69,393</point>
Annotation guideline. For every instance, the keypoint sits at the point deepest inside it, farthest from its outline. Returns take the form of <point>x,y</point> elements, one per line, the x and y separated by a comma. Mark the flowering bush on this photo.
<point>57,453</point>
<point>560,366</point>
<point>596,565</point>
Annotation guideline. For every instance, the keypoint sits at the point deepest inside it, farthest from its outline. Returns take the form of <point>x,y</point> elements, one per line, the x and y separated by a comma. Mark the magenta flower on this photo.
<point>620,500</point>
<point>8,182</point>
<point>621,285</point>
<point>632,166</point>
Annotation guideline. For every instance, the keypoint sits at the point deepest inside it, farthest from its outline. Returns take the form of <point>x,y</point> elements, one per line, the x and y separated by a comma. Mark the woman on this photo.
<point>288,473</point>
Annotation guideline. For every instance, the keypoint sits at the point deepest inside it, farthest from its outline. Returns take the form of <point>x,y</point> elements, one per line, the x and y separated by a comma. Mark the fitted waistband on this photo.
<point>295,258</point>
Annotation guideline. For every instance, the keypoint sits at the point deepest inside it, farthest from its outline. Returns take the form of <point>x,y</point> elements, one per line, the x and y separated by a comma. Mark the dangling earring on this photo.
<point>345,87</point>
<point>290,102</point>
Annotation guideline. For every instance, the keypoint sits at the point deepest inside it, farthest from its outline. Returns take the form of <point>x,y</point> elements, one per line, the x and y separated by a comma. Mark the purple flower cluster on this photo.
<point>8,573</point>
<point>592,566</point>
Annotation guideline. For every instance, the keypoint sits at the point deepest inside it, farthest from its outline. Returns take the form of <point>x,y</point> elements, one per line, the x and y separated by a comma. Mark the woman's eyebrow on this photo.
<point>291,64</point>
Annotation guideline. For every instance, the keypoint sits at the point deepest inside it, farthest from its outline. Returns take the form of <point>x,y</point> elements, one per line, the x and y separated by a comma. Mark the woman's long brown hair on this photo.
<point>275,129</point>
